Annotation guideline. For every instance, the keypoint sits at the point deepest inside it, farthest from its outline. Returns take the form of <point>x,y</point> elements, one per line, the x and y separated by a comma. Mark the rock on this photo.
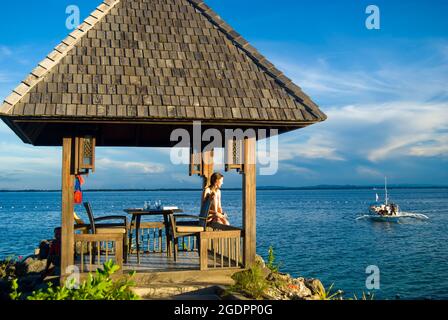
<point>283,287</point>
<point>275,294</point>
<point>279,277</point>
<point>286,288</point>
<point>44,249</point>
<point>299,290</point>
<point>34,265</point>
<point>315,286</point>
<point>259,260</point>
<point>313,297</point>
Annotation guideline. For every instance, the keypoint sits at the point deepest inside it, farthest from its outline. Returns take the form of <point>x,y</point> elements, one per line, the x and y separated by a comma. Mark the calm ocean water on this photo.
<point>315,233</point>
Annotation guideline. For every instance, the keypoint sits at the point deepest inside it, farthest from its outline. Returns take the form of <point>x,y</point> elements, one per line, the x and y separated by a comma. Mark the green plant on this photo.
<point>98,287</point>
<point>15,294</point>
<point>271,260</point>
<point>8,269</point>
<point>364,296</point>
<point>251,282</point>
<point>326,294</point>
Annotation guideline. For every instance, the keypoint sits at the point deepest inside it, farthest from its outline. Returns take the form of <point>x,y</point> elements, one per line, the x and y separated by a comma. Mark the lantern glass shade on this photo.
<point>234,154</point>
<point>86,153</point>
<point>87,161</point>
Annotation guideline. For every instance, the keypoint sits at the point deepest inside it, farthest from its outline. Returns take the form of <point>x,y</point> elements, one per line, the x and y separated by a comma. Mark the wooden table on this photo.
<point>137,214</point>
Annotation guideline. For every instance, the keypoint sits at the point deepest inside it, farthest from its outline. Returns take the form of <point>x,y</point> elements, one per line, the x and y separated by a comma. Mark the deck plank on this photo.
<point>161,262</point>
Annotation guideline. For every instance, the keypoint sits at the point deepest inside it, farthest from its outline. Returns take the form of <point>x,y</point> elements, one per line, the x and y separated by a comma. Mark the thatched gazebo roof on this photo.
<point>136,69</point>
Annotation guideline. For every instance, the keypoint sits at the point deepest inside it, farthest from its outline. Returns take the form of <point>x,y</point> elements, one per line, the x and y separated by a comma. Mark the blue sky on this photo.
<point>385,93</point>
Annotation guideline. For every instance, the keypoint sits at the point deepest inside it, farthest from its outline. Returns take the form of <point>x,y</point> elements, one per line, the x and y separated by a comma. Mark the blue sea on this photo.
<point>315,233</point>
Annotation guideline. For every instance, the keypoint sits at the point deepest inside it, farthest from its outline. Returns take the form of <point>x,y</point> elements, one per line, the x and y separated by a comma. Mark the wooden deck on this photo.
<point>159,269</point>
<point>220,245</point>
<point>155,261</point>
<point>149,262</point>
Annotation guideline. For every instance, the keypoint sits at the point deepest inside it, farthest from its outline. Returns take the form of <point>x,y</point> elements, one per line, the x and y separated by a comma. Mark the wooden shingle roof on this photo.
<point>158,59</point>
<point>146,67</point>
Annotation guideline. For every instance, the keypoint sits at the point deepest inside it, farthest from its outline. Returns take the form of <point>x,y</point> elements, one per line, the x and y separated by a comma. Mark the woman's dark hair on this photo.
<point>214,178</point>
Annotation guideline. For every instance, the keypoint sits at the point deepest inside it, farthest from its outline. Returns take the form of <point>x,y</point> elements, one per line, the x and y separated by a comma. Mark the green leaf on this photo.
<point>98,287</point>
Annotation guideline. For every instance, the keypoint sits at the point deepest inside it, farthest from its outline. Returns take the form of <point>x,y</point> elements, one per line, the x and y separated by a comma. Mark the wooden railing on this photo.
<point>188,244</point>
<point>220,247</point>
<point>98,248</point>
<point>151,237</point>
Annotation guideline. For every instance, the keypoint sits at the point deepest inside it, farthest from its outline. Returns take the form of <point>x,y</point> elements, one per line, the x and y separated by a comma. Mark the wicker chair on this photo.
<point>181,229</point>
<point>102,228</point>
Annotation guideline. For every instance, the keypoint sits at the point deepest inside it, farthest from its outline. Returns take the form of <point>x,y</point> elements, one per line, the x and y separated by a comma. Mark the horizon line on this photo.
<point>267,188</point>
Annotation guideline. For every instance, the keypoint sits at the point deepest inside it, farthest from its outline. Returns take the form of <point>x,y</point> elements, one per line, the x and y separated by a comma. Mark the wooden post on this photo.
<point>195,162</point>
<point>118,253</point>
<point>203,253</point>
<point>207,167</point>
<point>249,202</point>
<point>68,180</point>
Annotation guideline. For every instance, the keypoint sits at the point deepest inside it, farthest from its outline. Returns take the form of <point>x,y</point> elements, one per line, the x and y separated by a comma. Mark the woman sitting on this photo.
<point>213,191</point>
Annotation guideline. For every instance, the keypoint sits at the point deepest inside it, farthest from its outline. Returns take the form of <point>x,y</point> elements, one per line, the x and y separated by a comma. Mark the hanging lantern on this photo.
<point>86,154</point>
<point>234,155</point>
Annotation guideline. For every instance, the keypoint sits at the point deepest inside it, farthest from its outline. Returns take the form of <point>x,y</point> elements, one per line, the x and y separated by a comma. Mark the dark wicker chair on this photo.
<point>181,229</point>
<point>101,228</point>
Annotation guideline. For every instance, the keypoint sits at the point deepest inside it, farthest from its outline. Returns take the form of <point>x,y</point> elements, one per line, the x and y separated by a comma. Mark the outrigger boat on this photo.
<point>387,209</point>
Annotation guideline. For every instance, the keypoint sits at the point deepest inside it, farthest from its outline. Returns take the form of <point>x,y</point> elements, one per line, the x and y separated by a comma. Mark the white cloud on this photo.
<point>300,170</point>
<point>438,147</point>
<point>368,172</point>
<point>381,131</point>
<point>316,146</point>
<point>366,76</point>
<point>130,166</point>
<point>373,132</point>
<point>381,109</point>
<point>20,156</point>
<point>410,127</point>
<point>27,166</point>
<point>185,180</point>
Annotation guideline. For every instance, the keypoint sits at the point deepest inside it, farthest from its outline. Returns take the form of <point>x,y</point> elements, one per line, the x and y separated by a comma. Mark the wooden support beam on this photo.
<point>207,167</point>
<point>249,201</point>
<point>195,162</point>
<point>67,224</point>
<point>203,253</point>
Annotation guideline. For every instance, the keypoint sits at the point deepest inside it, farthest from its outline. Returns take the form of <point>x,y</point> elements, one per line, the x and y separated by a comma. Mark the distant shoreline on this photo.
<point>268,188</point>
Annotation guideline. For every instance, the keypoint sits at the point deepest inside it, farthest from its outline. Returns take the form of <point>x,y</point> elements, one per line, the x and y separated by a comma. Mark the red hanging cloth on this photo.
<point>79,181</point>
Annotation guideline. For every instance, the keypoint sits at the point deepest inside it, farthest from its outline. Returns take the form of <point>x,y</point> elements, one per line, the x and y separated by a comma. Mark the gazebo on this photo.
<point>134,71</point>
